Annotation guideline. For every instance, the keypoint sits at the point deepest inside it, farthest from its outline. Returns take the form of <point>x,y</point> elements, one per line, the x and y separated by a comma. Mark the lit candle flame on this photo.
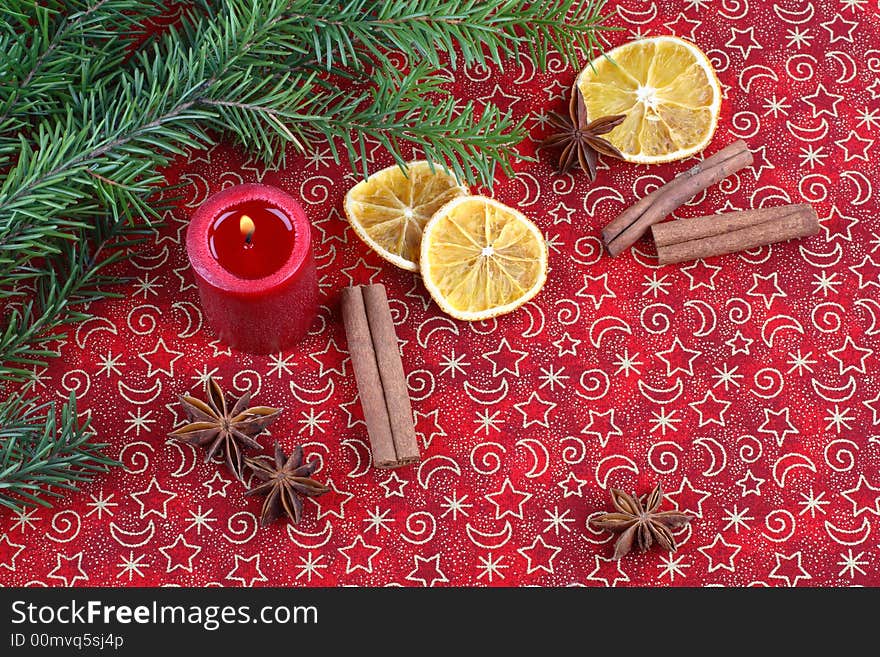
<point>246,224</point>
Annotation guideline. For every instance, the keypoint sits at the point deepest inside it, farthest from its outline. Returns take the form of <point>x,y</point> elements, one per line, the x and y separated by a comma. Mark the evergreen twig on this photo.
<point>44,452</point>
<point>44,43</point>
<point>432,30</point>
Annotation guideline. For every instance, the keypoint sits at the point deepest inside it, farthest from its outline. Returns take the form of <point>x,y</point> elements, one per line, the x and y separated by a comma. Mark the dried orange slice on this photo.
<point>481,259</point>
<point>668,91</point>
<point>389,210</point>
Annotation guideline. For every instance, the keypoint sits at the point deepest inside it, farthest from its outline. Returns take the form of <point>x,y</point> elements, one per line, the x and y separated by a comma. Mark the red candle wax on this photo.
<point>251,239</point>
<point>250,249</point>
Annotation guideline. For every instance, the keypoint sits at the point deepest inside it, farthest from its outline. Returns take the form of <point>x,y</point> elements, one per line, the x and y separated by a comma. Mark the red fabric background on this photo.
<point>777,457</point>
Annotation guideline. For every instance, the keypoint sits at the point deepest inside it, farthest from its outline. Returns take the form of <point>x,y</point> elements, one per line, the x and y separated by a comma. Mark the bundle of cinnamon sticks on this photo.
<point>713,235</point>
<point>384,396</point>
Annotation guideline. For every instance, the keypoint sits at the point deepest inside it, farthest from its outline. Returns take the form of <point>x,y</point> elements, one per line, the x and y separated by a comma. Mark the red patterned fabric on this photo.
<point>747,384</point>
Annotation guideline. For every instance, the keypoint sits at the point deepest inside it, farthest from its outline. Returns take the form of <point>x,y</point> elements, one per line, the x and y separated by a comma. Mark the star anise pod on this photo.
<point>580,138</point>
<point>285,484</point>
<point>226,424</point>
<point>641,523</point>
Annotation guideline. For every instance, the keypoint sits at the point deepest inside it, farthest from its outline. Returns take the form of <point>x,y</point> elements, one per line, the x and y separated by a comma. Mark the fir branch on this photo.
<point>57,292</point>
<point>431,30</point>
<point>46,42</point>
<point>414,107</point>
<point>44,452</point>
<point>161,106</point>
<point>123,130</point>
<point>255,110</point>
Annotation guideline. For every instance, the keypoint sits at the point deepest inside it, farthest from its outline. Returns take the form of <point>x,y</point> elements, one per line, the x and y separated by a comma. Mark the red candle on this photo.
<point>251,250</point>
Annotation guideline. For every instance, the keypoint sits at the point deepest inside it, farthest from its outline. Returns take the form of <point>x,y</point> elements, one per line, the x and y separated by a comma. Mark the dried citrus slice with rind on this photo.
<point>668,90</point>
<point>481,258</point>
<point>389,210</point>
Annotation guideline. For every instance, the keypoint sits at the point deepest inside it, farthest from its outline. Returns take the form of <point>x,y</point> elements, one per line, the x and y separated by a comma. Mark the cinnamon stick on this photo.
<point>391,371</point>
<point>631,224</point>
<point>369,381</point>
<point>714,235</point>
<point>381,382</point>
<point>683,230</point>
